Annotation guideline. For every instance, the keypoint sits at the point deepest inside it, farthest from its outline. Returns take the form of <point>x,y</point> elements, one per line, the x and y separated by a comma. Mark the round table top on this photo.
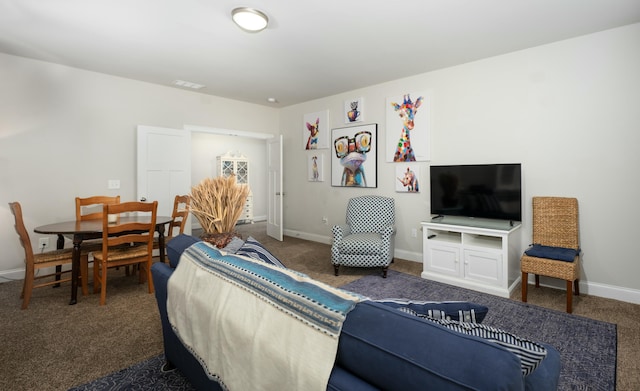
<point>91,226</point>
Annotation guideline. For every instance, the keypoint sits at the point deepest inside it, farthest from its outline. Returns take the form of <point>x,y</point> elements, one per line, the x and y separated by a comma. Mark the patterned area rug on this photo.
<point>146,375</point>
<point>587,347</point>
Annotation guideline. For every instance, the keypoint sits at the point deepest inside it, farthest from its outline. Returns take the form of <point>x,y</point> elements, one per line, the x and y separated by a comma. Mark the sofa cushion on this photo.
<point>176,247</point>
<point>451,310</point>
<point>549,252</point>
<point>254,249</point>
<point>530,353</point>
<point>396,351</point>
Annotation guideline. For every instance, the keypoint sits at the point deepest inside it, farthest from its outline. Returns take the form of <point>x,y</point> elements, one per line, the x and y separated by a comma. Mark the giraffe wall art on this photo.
<point>407,128</point>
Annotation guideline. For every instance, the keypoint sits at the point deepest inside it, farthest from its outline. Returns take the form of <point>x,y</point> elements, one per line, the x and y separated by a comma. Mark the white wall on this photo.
<point>64,132</point>
<point>567,111</point>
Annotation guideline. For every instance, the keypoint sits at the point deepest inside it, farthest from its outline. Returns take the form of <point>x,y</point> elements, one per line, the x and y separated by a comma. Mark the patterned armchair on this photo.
<point>367,238</point>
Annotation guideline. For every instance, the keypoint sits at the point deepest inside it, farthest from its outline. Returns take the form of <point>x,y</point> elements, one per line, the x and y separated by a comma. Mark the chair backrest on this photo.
<point>121,232</point>
<point>91,207</point>
<point>180,213</point>
<point>25,241</point>
<point>370,213</point>
<point>555,222</point>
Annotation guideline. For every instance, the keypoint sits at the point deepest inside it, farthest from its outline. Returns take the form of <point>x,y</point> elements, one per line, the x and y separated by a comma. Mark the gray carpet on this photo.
<point>587,347</point>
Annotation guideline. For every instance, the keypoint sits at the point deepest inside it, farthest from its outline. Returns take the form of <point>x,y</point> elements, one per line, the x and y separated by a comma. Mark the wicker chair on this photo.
<point>367,238</point>
<point>555,224</point>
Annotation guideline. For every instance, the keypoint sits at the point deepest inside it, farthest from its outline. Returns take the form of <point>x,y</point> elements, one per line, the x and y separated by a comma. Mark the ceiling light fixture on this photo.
<point>249,19</point>
<point>188,84</point>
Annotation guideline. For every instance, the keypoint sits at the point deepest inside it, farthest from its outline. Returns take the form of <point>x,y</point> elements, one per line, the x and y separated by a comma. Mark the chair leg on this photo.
<point>525,286</point>
<point>335,269</point>
<point>537,281</point>
<point>84,274</point>
<point>569,296</point>
<point>576,287</point>
<point>384,271</point>
<point>27,287</point>
<point>103,285</point>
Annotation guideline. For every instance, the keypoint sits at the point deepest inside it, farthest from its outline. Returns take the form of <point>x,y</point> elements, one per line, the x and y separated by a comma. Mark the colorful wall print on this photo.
<point>408,130</point>
<point>353,110</point>
<point>315,132</point>
<point>407,178</point>
<point>315,168</point>
<point>354,156</point>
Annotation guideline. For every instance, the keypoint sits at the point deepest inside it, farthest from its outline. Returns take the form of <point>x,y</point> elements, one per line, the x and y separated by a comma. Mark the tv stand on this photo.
<point>473,254</point>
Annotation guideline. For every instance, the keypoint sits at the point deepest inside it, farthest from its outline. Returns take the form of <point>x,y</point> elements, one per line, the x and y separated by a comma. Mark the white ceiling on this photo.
<point>311,49</point>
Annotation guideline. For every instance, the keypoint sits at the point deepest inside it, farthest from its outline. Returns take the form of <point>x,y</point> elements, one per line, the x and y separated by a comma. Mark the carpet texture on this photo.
<point>587,347</point>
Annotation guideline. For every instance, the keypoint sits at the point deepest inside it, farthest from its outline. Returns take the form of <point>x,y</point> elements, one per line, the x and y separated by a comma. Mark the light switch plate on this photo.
<point>113,184</point>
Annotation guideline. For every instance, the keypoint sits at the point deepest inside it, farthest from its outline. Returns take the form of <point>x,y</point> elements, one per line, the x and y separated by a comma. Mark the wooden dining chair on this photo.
<point>35,262</point>
<point>125,243</point>
<point>90,208</point>
<point>179,216</point>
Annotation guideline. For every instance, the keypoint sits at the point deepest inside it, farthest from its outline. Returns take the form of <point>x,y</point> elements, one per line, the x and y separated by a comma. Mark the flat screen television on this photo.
<point>492,191</point>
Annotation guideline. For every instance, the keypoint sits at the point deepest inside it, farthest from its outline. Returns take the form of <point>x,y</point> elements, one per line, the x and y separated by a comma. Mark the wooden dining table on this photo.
<point>92,229</point>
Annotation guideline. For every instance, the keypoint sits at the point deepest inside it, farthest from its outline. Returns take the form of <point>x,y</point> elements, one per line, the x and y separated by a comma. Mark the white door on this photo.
<point>274,188</point>
<point>163,166</point>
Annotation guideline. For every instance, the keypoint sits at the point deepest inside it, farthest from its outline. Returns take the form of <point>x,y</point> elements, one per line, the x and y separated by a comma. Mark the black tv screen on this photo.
<point>492,191</point>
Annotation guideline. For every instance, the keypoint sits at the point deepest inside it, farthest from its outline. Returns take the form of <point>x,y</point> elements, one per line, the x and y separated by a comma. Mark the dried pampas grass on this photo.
<point>218,203</point>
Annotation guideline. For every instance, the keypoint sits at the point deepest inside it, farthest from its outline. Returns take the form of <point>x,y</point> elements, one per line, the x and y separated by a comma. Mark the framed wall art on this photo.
<point>408,129</point>
<point>353,110</point>
<point>315,130</point>
<point>407,178</point>
<point>354,156</point>
<point>315,168</point>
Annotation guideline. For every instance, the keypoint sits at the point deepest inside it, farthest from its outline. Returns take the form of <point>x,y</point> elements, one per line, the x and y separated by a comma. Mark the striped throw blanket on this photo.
<point>254,326</point>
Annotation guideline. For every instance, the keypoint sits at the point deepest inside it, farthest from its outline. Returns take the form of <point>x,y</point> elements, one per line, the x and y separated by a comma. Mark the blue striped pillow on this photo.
<point>530,353</point>
<point>254,249</point>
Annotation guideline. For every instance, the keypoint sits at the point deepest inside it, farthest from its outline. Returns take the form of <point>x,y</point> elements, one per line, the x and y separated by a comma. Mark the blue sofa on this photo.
<point>382,348</point>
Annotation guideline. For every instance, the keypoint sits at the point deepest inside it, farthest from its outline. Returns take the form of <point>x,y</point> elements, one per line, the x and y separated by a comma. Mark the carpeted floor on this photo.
<point>54,346</point>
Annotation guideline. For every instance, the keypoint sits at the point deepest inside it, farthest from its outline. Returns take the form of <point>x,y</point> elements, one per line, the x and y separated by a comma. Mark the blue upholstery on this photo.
<point>367,238</point>
<point>381,347</point>
<point>550,252</point>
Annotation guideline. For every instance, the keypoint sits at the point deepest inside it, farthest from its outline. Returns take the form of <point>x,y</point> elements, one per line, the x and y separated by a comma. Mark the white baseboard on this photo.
<point>595,289</point>
<point>11,275</point>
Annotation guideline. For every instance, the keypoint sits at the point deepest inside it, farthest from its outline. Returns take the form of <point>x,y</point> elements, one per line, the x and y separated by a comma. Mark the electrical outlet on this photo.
<point>414,233</point>
<point>113,184</point>
<point>43,243</point>
<point>325,220</point>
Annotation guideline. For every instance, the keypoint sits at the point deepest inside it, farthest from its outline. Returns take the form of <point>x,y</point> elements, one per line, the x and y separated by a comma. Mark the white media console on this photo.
<point>478,254</point>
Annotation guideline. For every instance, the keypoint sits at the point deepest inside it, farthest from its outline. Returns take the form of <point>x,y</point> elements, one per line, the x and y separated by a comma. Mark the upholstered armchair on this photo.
<point>367,238</point>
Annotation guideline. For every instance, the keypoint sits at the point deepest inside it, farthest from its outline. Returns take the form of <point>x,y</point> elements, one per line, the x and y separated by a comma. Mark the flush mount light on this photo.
<point>188,84</point>
<point>249,19</point>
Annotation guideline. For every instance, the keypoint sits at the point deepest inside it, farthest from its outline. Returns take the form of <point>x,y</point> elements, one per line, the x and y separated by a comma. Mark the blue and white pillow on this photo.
<point>254,249</point>
<point>451,310</point>
<point>530,353</point>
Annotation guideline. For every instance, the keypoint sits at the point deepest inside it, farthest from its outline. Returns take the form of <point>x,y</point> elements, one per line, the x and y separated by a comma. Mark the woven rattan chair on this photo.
<point>555,224</point>
<point>35,262</point>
